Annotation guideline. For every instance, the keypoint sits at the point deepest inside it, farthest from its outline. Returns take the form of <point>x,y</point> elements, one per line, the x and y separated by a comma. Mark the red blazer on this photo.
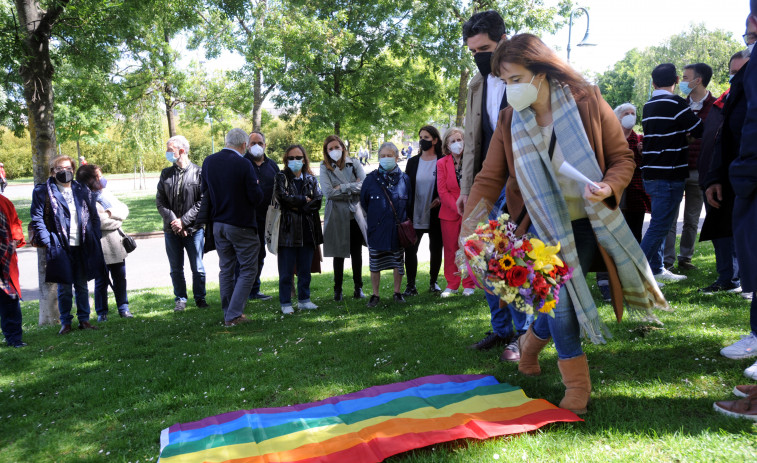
<point>16,232</point>
<point>449,189</point>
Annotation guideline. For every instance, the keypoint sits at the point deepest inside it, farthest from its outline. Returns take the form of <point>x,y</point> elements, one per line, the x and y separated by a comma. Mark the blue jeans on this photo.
<point>289,257</point>
<point>726,263</point>
<point>118,278</point>
<point>175,246</point>
<point>10,318</point>
<point>66,295</point>
<point>564,327</point>
<point>665,195</point>
<point>261,256</point>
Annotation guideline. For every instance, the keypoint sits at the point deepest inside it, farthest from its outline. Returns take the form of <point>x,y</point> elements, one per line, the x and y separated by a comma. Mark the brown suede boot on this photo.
<point>530,346</point>
<point>575,376</point>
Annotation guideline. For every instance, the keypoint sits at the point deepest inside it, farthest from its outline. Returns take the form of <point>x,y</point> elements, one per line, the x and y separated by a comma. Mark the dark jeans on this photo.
<point>66,295</point>
<point>118,278</point>
<point>288,258</point>
<point>635,221</point>
<point>564,327</point>
<point>261,256</point>
<point>235,245</point>
<point>175,246</point>
<point>10,319</point>
<point>503,318</point>
<point>356,256</point>
<point>435,247</point>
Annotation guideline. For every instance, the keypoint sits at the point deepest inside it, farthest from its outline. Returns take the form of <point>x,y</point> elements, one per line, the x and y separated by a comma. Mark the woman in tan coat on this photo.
<point>555,117</point>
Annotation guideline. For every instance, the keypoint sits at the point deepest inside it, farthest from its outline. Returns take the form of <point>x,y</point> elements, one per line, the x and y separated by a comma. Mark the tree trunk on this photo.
<point>169,112</point>
<point>37,75</point>
<point>257,101</point>
<point>337,93</point>
<point>78,150</point>
<point>462,96</point>
<point>167,91</point>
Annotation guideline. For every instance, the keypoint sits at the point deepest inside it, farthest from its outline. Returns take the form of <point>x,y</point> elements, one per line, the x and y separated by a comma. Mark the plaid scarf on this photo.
<point>549,212</point>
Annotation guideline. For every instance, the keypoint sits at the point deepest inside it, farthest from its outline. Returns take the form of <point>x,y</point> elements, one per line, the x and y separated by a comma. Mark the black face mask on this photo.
<point>483,62</point>
<point>64,176</point>
<point>425,145</point>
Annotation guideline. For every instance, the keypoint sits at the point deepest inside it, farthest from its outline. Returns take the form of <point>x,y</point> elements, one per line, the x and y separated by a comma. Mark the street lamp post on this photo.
<point>585,41</point>
<point>209,118</point>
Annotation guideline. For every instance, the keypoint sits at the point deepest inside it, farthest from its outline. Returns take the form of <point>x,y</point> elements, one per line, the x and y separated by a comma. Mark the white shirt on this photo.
<point>660,91</point>
<point>696,106</point>
<point>495,90</point>
<point>73,230</point>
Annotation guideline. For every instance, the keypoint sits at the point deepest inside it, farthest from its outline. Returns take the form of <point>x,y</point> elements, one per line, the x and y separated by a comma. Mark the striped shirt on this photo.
<point>667,120</point>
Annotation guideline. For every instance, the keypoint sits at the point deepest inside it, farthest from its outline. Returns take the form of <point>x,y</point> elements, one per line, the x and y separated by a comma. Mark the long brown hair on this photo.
<point>434,132</point>
<point>327,159</point>
<point>305,159</point>
<point>530,52</point>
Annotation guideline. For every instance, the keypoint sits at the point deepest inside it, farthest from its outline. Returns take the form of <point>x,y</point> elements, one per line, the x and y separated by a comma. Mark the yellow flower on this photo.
<point>544,256</point>
<point>507,262</point>
<point>548,306</point>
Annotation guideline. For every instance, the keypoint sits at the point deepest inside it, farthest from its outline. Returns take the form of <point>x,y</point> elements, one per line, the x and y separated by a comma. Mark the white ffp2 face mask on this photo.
<point>628,121</point>
<point>521,96</point>
<point>335,155</point>
<point>456,147</point>
<point>256,150</point>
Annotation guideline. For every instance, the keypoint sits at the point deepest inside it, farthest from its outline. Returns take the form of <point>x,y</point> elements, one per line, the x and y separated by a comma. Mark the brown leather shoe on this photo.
<point>575,376</point>
<point>745,390</point>
<point>236,321</point>
<point>530,346</point>
<point>87,326</point>
<point>65,329</point>
<point>742,408</point>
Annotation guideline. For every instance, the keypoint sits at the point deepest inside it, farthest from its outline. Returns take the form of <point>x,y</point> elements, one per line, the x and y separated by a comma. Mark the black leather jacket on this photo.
<point>295,207</point>
<point>183,204</point>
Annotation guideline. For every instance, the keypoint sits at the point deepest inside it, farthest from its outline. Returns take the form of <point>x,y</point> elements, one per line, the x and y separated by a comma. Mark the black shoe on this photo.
<point>338,295</point>
<point>126,314</point>
<point>492,339</point>
<point>686,265</point>
<point>604,290</point>
<point>373,302</point>
<point>102,318</point>
<point>359,294</point>
<point>717,287</point>
<point>260,296</point>
<point>399,298</point>
<point>202,303</point>
<point>20,344</point>
<point>410,291</point>
<point>434,288</point>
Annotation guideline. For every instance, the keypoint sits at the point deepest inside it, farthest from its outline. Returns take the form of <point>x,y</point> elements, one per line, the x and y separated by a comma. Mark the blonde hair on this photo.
<point>447,135</point>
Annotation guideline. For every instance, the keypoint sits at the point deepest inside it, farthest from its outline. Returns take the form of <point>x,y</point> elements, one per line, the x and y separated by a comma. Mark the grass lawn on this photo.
<point>105,395</point>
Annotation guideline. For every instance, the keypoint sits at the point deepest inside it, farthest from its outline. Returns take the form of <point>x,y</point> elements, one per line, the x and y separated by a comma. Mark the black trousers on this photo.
<point>356,256</point>
<point>435,248</point>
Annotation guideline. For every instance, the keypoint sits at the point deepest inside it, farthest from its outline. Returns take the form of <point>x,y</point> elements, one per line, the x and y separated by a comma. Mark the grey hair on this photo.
<point>623,108</point>
<point>236,138</point>
<point>745,53</point>
<point>180,141</point>
<point>259,133</point>
<point>391,146</point>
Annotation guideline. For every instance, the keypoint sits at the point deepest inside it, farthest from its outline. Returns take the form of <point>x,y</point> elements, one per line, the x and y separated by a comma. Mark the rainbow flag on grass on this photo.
<point>365,426</point>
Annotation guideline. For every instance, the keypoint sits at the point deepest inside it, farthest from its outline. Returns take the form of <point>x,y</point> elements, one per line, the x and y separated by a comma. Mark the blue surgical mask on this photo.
<point>295,165</point>
<point>730,77</point>
<point>103,182</point>
<point>171,157</point>
<point>685,88</point>
<point>388,163</point>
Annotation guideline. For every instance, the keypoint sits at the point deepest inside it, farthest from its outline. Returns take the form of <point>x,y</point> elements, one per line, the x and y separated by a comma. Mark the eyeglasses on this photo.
<point>749,37</point>
<point>295,158</point>
<point>62,169</point>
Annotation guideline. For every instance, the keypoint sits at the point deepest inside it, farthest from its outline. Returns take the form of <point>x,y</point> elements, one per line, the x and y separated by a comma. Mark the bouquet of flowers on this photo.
<point>523,271</point>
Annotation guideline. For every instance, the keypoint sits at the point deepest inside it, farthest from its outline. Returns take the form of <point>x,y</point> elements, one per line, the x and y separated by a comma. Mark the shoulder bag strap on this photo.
<point>388,198</point>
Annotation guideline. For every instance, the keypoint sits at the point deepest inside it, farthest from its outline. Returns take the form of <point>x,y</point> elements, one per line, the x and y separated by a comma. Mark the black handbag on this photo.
<point>405,230</point>
<point>128,242</point>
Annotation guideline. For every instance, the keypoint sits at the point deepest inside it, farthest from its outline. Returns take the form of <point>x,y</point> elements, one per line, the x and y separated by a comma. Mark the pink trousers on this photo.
<point>450,235</point>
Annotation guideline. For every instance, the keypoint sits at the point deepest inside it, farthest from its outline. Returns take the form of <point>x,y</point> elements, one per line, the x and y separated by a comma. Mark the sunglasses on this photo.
<point>295,158</point>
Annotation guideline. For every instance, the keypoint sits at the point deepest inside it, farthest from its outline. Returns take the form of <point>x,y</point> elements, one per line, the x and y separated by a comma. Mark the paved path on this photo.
<point>147,266</point>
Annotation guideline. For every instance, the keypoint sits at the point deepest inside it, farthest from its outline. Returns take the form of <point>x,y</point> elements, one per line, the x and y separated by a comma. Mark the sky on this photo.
<point>617,26</point>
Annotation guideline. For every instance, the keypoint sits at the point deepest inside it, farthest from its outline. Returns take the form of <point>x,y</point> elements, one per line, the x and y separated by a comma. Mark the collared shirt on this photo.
<point>232,149</point>
<point>73,231</point>
<point>495,90</point>
<point>660,91</point>
<point>697,105</point>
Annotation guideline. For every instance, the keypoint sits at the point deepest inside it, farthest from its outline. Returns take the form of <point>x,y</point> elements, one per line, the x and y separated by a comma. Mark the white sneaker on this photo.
<point>667,275</point>
<point>745,348</point>
<point>306,305</point>
<point>287,309</point>
<point>448,292</point>
<point>751,372</point>
<point>747,296</point>
<point>468,291</point>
